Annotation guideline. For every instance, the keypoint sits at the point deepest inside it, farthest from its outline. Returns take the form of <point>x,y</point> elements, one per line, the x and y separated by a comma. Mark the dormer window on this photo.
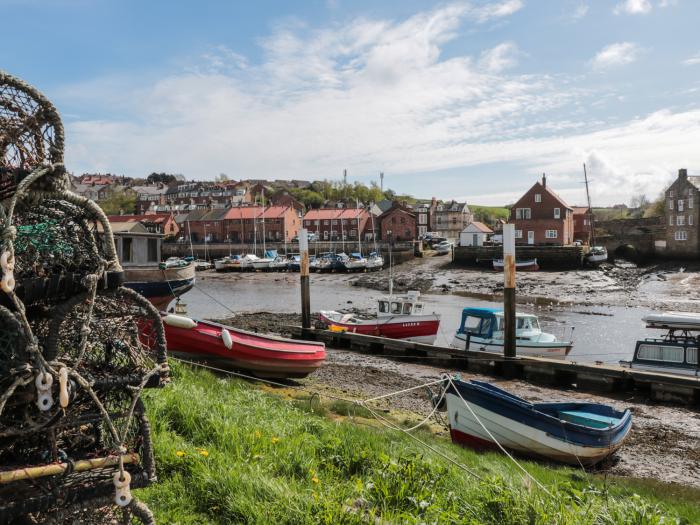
<point>538,197</point>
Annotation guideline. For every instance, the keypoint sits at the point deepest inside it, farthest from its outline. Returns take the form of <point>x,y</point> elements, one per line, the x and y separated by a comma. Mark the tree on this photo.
<point>221,177</point>
<point>165,178</point>
<point>119,202</point>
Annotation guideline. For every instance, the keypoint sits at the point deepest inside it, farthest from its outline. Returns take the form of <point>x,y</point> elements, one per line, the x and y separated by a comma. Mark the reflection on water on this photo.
<point>600,334</point>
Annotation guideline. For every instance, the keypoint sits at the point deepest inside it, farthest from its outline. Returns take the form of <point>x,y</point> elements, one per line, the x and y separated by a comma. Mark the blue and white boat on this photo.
<point>356,263</point>
<point>572,433</point>
<point>481,330</point>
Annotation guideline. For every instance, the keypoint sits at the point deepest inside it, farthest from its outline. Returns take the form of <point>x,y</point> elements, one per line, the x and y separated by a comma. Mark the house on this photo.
<point>449,218</point>
<point>250,223</point>
<point>398,223</point>
<point>423,217</point>
<point>206,226</point>
<point>163,223</point>
<point>148,196</point>
<point>97,180</point>
<point>475,234</point>
<point>283,198</point>
<point>682,198</point>
<point>583,223</point>
<point>332,224</point>
<point>542,217</point>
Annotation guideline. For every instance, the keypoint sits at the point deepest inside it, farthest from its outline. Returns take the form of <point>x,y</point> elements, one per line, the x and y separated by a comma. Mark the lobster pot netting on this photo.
<point>76,348</point>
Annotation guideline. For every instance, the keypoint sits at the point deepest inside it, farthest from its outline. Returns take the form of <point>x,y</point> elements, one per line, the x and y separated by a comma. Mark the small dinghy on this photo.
<point>571,433</point>
<point>262,355</point>
<point>528,265</point>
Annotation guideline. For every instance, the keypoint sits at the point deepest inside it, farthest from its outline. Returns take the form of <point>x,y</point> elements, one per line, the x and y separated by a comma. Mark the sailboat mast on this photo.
<point>263,222</point>
<point>342,232</point>
<point>189,232</point>
<point>359,236</point>
<point>590,210</point>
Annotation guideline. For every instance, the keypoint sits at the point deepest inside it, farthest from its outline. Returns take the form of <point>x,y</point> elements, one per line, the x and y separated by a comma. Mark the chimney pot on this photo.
<point>544,180</point>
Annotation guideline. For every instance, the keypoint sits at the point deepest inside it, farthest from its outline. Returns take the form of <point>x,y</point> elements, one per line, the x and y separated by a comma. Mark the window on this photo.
<point>557,213</point>
<point>153,250</point>
<point>670,204</point>
<point>690,202</point>
<point>681,235</point>
<point>418,309</point>
<point>383,307</point>
<point>670,220</point>
<point>551,234</point>
<point>334,222</point>
<point>538,197</point>
<point>471,324</point>
<point>690,220</point>
<point>680,204</point>
<point>407,308</point>
<point>325,223</point>
<point>395,308</point>
<point>127,255</point>
<point>518,234</point>
<point>523,213</point>
<point>671,193</point>
<point>680,220</point>
<point>673,354</point>
<point>325,235</point>
<point>691,356</point>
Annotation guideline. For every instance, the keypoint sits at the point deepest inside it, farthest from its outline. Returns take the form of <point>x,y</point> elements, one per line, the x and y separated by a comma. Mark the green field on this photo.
<point>489,214</point>
<point>232,452</point>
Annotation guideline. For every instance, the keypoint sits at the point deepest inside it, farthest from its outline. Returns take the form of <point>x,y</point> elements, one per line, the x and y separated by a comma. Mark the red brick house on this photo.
<point>542,217</point>
<point>246,223</point>
<point>335,223</point>
<point>400,221</point>
<point>582,224</point>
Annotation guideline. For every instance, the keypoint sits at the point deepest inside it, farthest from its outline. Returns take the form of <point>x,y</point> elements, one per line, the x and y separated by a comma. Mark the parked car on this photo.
<point>443,248</point>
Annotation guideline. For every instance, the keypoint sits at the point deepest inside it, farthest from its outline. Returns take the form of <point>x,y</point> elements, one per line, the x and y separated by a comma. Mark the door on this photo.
<point>475,239</point>
<point>531,237</point>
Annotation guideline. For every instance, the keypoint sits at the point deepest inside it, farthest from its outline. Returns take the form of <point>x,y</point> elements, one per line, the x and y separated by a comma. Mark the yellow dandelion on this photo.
<point>203,452</point>
<point>180,453</point>
<point>275,440</point>
<point>257,434</point>
<point>315,479</point>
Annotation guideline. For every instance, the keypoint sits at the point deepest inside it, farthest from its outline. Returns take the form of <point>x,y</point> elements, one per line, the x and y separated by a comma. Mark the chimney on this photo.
<point>433,202</point>
<point>683,174</point>
<point>544,180</point>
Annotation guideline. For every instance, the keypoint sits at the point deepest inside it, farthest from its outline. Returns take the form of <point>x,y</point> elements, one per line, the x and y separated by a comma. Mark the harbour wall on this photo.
<point>548,257</point>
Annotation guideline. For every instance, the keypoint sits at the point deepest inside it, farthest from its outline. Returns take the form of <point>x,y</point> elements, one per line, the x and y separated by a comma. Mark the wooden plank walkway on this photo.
<point>684,390</point>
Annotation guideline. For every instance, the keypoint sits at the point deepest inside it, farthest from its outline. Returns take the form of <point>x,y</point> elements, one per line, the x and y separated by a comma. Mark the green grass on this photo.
<point>230,452</point>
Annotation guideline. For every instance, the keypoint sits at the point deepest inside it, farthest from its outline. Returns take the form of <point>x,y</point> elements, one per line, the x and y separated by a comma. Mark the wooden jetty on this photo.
<point>585,377</point>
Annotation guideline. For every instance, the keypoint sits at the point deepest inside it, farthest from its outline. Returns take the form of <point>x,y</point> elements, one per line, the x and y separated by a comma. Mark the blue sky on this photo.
<point>472,100</point>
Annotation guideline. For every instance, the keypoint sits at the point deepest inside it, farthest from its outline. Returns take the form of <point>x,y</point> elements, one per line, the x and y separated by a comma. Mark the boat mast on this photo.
<point>263,221</point>
<point>590,210</point>
<point>255,234</point>
<point>342,232</point>
<point>359,236</point>
<point>189,230</point>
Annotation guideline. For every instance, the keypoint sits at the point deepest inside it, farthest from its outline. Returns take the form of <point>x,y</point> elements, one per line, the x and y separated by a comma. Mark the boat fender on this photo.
<point>179,321</point>
<point>44,399</point>
<point>63,384</point>
<point>226,338</point>
<point>7,263</point>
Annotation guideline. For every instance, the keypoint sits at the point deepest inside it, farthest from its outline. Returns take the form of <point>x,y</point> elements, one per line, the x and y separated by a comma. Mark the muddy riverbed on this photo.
<point>606,303</point>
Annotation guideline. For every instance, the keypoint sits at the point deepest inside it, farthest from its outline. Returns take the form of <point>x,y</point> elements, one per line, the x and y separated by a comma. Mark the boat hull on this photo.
<point>160,286</point>
<point>518,427</point>
<point>416,328</point>
<point>555,350</point>
<point>260,355</point>
<point>662,369</point>
<point>524,266</point>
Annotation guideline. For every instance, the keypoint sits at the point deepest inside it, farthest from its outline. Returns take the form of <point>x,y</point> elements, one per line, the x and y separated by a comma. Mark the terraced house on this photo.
<point>682,197</point>
<point>449,218</point>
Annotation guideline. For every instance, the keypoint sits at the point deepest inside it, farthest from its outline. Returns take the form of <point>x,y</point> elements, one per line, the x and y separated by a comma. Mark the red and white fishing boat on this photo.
<point>262,355</point>
<point>398,317</point>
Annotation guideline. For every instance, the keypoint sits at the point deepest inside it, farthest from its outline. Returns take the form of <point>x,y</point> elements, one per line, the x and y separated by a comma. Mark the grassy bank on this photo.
<point>229,452</point>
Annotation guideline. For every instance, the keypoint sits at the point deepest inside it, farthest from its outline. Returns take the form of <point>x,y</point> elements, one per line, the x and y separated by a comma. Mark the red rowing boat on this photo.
<point>262,355</point>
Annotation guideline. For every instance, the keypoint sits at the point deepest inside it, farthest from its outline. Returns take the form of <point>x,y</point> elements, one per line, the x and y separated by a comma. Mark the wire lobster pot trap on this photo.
<point>76,348</point>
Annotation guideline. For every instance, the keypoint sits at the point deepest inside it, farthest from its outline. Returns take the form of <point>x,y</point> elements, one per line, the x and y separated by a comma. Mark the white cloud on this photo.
<point>496,10</point>
<point>579,12</point>
<point>368,96</point>
<point>633,7</point>
<point>693,60</point>
<point>500,57</point>
<point>618,54</point>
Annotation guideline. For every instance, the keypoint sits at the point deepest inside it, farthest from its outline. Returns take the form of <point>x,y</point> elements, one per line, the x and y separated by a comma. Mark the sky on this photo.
<point>468,100</point>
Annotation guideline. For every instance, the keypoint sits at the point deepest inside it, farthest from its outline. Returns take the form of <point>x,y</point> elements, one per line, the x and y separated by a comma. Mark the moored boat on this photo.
<point>228,347</point>
<point>526,265</point>
<point>398,317</point>
<point>375,261</point>
<point>228,263</point>
<point>202,265</point>
<point>597,255</point>
<point>482,415</point>
<point>676,352</point>
<point>160,285</point>
<point>279,263</point>
<point>481,329</point>
<point>356,263</point>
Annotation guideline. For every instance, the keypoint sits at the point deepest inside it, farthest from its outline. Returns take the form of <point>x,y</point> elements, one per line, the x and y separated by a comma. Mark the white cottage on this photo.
<point>475,234</point>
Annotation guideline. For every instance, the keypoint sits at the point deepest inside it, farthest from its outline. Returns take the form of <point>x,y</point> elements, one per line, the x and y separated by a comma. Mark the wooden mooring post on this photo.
<point>304,273</point>
<point>509,290</point>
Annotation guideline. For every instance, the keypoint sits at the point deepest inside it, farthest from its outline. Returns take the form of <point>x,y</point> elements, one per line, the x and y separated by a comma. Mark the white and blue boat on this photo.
<point>481,414</point>
<point>481,330</point>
